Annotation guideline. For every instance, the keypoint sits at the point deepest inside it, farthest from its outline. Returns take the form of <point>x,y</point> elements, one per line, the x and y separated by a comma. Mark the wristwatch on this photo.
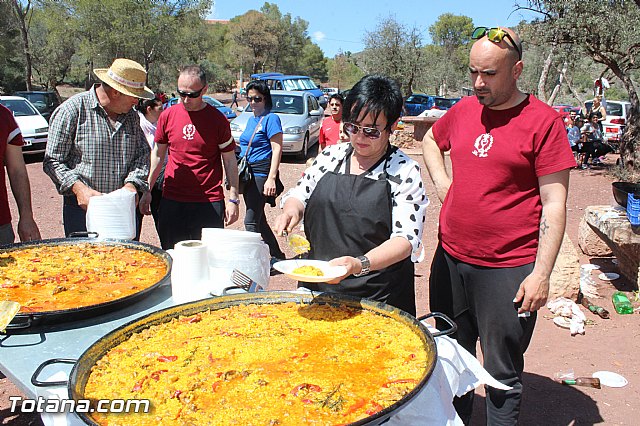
<point>366,266</point>
<point>236,202</point>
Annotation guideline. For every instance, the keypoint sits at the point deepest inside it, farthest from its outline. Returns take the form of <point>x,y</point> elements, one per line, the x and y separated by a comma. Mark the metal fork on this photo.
<point>242,281</point>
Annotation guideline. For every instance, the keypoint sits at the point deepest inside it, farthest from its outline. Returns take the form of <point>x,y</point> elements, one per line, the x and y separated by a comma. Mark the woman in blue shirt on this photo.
<point>264,156</point>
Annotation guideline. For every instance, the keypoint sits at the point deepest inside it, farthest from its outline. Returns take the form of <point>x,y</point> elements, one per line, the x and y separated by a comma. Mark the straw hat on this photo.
<point>126,76</point>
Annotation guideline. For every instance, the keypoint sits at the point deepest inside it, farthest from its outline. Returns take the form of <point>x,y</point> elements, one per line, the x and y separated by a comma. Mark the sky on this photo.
<point>340,25</point>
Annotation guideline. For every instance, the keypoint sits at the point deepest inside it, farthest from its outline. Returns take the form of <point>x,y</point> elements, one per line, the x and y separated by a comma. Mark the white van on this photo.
<point>617,115</point>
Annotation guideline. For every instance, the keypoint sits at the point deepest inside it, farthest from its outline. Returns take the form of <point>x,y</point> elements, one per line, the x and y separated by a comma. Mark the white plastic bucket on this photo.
<point>230,249</point>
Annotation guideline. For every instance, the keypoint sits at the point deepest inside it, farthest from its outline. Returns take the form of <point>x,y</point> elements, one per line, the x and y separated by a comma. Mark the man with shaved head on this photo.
<point>503,214</point>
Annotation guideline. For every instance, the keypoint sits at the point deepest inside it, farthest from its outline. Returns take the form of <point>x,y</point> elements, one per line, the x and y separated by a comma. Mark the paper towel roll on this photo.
<point>190,271</point>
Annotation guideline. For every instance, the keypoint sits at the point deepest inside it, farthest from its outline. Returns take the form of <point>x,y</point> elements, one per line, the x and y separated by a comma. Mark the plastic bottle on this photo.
<point>621,303</point>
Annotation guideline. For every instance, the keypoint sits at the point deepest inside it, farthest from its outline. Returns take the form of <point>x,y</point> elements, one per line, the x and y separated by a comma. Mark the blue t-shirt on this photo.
<point>261,146</point>
<point>574,135</point>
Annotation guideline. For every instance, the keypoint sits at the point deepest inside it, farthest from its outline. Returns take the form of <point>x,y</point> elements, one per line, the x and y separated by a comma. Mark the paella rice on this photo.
<point>67,276</point>
<point>262,364</point>
<point>309,270</point>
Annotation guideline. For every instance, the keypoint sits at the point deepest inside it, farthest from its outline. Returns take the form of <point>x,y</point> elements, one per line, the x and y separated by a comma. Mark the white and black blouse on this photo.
<point>409,199</point>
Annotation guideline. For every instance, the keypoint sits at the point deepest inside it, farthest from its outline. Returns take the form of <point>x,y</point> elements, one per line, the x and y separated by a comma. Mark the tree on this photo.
<point>254,38</point>
<point>450,35</point>
<point>395,51</point>
<point>54,42</point>
<point>313,63</point>
<point>22,13</point>
<point>343,72</point>
<point>11,63</point>
<point>606,31</point>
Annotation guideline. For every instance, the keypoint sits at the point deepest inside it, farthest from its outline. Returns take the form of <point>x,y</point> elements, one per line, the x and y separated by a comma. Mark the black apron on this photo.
<point>349,215</point>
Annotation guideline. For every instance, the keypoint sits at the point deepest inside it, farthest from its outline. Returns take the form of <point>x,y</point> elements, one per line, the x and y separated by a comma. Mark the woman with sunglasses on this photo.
<point>363,202</point>
<point>263,139</point>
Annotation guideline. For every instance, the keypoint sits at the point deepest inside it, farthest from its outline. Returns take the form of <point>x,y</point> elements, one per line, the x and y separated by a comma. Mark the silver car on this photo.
<point>300,114</point>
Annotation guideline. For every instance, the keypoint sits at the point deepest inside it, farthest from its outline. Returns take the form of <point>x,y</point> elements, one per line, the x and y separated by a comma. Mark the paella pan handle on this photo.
<point>443,317</point>
<point>38,383</point>
<point>85,234</point>
<point>28,322</point>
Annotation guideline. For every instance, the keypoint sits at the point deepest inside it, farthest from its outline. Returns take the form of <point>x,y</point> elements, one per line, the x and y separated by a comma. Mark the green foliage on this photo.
<point>11,58</point>
<point>394,50</point>
<point>343,72</point>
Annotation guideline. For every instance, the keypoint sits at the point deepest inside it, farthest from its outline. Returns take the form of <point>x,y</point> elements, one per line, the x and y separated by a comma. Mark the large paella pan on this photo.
<point>68,279</point>
<point>271,358</point>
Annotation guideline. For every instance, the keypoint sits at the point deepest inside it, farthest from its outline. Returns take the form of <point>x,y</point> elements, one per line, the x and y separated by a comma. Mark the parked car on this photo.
<point>228,112</point>
<point>45,102</point>
<point>34,127</point>
<point>279,81</point>
<point>329,91</point>
<point>300,114</point>
<point>565,110</point>
<point>617,116</point>
<point>417,103</point>
<point>444,103</point>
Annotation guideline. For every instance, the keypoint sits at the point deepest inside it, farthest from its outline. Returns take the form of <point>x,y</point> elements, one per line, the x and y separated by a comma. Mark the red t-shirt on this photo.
<point>329,132</point>
<point>196,140</point>
<point>491,214</point>
<point>9,134</point>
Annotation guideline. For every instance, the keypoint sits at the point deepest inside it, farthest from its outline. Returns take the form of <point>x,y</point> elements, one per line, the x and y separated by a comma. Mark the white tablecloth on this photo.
<point>456,372</point>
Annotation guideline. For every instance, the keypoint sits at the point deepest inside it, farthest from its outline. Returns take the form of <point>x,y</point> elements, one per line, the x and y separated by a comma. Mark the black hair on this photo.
<point>196,71</point>
<point>594,114</point>
<point>261,87</point>
<point>338,97</point>
<point>143,104</point>
<point>374,94</point>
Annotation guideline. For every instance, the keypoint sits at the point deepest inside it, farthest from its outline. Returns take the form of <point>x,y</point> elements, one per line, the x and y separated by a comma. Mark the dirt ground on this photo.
<point>607,345</point>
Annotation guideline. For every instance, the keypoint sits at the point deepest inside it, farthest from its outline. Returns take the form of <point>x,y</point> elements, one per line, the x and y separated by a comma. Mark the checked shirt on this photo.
<point>83,145</point>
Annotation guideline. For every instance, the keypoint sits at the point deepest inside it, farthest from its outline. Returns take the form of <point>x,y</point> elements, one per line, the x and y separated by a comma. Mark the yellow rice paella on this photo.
<point>262,364</point>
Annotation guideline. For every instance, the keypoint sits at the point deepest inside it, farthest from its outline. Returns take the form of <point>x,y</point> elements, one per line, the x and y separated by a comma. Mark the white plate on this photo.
<point>611,379</point>
<point>608,276</point>
<point>330,272</point>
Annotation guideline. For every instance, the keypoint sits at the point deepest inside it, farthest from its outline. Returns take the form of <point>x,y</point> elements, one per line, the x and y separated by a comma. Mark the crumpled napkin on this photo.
<point>57,392</point>
<point>456,373</point>
<point>569,309</point>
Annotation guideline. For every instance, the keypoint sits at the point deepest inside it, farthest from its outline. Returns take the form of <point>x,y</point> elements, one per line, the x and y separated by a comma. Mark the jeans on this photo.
<point>255,220</point>
<point>480,301</point>
<point>180,221</point>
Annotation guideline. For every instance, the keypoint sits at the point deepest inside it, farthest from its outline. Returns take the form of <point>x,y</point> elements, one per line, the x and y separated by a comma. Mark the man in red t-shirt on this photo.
<point>198,139</point>
<point>11,156</point>
<point>330,128</point>
<point>503,214</point>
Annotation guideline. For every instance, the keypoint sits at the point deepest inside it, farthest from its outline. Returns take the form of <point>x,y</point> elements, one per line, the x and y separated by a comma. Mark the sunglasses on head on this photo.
<point>496,35</point>
<point>191,95</point>
<point>370,132</point>
<point>256,99</point>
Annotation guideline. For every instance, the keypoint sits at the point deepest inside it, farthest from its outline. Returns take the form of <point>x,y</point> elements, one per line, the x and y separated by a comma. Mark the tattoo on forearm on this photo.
<point>544,227</point>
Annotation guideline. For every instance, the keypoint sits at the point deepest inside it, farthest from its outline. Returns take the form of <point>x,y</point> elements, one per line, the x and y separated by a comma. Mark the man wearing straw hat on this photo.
<point>96,144</point>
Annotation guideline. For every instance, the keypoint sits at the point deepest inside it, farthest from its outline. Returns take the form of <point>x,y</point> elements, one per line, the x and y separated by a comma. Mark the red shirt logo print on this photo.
<point>483,145</point>
<point>188,132</point>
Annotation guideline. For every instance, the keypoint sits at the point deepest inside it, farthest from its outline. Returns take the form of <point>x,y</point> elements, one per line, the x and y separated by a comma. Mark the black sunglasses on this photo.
<point>496,35</point>
<point>256,99</point>
<point>370,132</point>
<point>191,95</point>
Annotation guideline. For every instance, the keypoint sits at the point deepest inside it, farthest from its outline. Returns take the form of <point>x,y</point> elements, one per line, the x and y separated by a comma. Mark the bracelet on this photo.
<point>236,202</point>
